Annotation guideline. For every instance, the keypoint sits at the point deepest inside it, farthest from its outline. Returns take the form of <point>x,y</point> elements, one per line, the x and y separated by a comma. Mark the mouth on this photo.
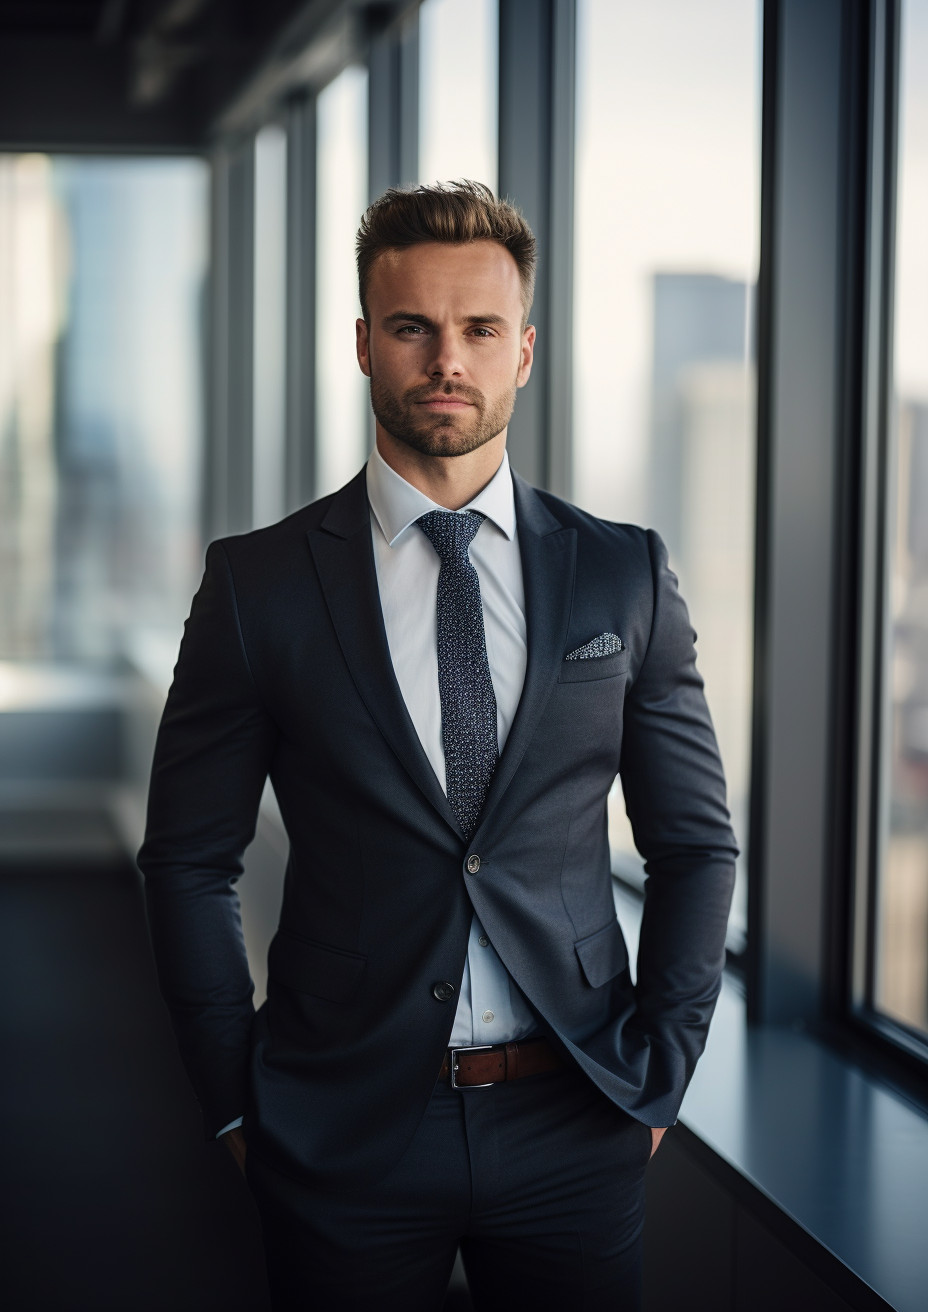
<point>445,403</point>
<point>445,406</point>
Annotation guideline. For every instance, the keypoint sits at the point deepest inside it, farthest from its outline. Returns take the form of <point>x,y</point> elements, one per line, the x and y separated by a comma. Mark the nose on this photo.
<point>445,360</point>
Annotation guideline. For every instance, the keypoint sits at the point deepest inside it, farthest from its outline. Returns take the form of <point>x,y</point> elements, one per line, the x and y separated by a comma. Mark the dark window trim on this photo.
<point>828,208</point>
<point>910,1047</point>
<point>751,958</point>
<point>800,414</point>
<point>301,302</point>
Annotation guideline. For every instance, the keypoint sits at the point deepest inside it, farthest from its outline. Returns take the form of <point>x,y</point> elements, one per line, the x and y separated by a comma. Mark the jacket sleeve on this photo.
<point>675,795</point>
<point>212,757</point>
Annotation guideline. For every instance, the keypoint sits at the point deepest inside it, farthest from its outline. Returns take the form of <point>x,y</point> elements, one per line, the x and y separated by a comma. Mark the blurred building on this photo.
<point>703,406</point>
<point>698,319</point>
<point>102,405</point>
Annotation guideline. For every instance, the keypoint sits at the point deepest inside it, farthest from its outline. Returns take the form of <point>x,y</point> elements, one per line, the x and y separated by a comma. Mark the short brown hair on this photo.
<point>453,212</point>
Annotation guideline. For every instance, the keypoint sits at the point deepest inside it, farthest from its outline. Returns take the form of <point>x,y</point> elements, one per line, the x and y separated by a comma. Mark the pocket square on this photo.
<point>607,644</point>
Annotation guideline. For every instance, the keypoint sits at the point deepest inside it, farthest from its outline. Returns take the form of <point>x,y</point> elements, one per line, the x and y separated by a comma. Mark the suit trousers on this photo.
<point>540,1181</point>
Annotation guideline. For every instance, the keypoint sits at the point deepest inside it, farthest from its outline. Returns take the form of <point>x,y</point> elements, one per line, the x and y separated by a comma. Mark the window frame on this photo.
<point>874,582</point>
<point>828,160</point>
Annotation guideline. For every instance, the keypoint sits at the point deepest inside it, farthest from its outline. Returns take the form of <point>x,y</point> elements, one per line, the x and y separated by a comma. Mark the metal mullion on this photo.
<point>525,36</point>
<point>393,108</point>
<point>800,416</point>
<point>880,451</point>
<point>755,956</point>
<point>393,117</point>
<point>537,111</point>
<point>560,254</point>
<point>215,454</point>
<point>383,114</point>
<point>301,302</point>
<point>408,101</point>
<point>853,480</point>
<point>872,493</point>
<point>241,338</point>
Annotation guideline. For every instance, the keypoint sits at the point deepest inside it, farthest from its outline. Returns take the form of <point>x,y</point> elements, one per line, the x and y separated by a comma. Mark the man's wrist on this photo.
<point>234,1140</point>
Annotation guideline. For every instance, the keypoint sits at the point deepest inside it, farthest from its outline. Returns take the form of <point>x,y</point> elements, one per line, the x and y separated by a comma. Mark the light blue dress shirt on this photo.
<point>490,1007</point>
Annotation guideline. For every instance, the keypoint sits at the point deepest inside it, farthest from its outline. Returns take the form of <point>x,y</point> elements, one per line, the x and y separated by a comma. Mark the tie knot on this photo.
<point>450,532</point>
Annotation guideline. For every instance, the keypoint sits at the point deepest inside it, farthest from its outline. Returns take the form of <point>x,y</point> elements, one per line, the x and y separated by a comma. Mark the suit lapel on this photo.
<point>344,556</point>
<point>548,551</point>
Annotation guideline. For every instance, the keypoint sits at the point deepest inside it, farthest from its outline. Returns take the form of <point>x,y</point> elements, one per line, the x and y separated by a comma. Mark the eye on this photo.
<point>482,332</point>
<point>411,330</point>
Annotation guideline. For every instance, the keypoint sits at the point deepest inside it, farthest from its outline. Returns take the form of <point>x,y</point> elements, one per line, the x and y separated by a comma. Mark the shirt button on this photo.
<point>442,990</point>
<point>487,1016</point>
<point>473,864</point>
<point>483,941</point>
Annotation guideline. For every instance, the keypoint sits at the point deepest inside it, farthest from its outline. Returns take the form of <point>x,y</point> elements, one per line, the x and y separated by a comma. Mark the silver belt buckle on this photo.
<point>486,1047</point>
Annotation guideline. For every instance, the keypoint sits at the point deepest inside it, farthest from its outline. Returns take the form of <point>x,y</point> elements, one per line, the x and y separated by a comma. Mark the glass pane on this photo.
<point>270,324</point>
<point>458,101</point>
<point>102,266</point>
<point>666,257</point>
<point>341,389</point>
<point>901,982</point>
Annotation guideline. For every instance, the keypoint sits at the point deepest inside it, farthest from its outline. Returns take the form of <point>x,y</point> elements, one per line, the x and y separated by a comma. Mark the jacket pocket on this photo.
<point>309,967</point>
<point>603,954</point>
<point>594,667</point>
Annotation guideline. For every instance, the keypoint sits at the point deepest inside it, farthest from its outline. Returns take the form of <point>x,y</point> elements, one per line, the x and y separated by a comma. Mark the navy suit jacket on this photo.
<point>284,670</point>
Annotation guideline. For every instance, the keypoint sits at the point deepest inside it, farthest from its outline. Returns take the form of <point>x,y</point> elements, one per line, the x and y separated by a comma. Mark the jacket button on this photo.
<point>442,990</point>
<point>473,864</point>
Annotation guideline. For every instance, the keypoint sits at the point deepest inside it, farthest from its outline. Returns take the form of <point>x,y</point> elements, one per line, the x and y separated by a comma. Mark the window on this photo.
<point>899,979</point>
<point>341,190</point>
<point>666,258</point>
<point>102,265</point>
<point>458,90</point>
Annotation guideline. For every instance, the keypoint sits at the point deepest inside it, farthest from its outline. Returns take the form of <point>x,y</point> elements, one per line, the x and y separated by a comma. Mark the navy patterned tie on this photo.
<point>468,702</point>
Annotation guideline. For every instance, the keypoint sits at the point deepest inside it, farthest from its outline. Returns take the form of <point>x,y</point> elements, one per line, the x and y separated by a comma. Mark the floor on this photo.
<point>111,1199</point>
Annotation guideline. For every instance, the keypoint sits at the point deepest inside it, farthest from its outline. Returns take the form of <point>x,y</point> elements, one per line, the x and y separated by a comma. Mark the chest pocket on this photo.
<point>593,668</point>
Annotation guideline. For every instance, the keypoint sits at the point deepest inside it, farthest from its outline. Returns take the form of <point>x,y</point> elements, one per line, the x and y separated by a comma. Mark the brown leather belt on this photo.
<point>475,1068</point>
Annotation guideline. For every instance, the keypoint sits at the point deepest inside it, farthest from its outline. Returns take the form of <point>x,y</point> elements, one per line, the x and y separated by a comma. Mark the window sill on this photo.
<point>835,1151</point>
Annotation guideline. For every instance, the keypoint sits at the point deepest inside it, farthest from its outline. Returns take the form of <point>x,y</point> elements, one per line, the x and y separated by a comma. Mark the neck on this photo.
<point>449,481</point>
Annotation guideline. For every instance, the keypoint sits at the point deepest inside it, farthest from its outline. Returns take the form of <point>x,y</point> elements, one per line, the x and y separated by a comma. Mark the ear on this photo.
<point>363,346</point>
<point>527,355</point>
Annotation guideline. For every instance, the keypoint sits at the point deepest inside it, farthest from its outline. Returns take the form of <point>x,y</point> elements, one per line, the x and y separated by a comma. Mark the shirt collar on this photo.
<point>397,504</point>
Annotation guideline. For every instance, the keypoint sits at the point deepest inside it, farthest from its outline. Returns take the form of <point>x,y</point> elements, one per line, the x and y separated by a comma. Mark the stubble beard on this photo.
<point>438,434</point>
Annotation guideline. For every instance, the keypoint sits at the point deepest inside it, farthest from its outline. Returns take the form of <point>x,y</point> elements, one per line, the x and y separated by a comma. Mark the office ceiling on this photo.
<point>157,74</point>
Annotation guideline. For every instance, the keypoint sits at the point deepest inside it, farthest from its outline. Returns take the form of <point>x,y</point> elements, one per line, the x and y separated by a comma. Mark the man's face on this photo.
<point>445,351</point>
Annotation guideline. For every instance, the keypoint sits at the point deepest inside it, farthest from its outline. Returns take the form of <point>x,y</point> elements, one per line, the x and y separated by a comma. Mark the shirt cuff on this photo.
<point>233,1125</point>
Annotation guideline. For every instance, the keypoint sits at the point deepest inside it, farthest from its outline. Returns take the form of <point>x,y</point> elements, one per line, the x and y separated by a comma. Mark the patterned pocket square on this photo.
<point>607,644</point>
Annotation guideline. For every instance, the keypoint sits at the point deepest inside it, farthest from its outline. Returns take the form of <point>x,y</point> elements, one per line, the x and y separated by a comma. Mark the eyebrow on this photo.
<point>408,316</point>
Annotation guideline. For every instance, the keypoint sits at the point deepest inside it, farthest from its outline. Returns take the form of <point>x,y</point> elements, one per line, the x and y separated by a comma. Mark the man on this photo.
<point>442,670</point>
